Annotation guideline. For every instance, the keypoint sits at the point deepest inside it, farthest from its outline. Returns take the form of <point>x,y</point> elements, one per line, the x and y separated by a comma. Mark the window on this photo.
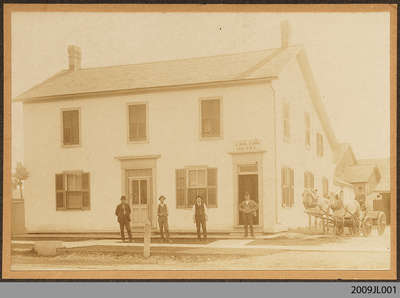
<point>287,182</point>
<point>308,130</point>
<point>70,120</point>
<point>210,118</point>
<point>72,191</point>
<point>137,122</point>
<point>191,182</point>
<point>325,187</point>
<point>286,122</point>
<point>308,180</point>
<point>320,145</point>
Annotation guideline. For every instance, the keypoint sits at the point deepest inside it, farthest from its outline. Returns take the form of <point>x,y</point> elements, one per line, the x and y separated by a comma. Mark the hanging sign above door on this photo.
<point>247,146</point>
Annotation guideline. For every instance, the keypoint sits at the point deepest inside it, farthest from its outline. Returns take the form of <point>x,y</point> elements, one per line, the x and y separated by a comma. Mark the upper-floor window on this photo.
<point>320,145</point>
<point>137,114</point>
<point>286,122</point>
<point>325,187</point>
<point>72,190</point>
<point>193,182</point>
<point>308,180</point>
<point>210,118</point>
<point>308,130</point>
<point>287,183</point>
<point>70,123</point>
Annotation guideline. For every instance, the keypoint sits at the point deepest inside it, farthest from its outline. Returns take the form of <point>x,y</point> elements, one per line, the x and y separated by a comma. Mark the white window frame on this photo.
<point>65,190</point>
<point>146,140</point>
<point>79,127</point>
<point>221,130</point>
<point>205,186</point>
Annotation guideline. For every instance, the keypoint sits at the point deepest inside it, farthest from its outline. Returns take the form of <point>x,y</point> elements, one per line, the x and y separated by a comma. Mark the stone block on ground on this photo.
<point>47,248</point>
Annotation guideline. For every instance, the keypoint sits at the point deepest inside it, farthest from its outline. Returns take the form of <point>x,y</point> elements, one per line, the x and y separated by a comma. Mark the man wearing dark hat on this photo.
<point>162,212</point>
<point>123,213</point>
<point>200,217</point>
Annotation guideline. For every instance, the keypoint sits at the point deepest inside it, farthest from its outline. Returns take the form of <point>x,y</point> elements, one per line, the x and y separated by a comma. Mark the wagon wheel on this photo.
<point>381,223</point>
<point>367,227</point>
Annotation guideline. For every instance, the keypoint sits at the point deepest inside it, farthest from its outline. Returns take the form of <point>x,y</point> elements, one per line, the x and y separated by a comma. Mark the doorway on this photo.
<point>138,196</point>
<point>248,183</point>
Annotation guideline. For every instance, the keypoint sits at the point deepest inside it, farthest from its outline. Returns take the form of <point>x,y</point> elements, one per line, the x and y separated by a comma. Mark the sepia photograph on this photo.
<point>200,142</point>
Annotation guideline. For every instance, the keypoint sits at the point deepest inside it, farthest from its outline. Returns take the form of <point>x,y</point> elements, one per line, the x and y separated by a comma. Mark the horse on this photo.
<point>311,199</point>
<point>335,207</point>
<point>320,205</point>
<point>345,210</point>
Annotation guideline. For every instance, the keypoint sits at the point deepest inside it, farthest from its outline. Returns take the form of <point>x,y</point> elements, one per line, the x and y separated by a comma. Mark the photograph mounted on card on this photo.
<point>199,142</point>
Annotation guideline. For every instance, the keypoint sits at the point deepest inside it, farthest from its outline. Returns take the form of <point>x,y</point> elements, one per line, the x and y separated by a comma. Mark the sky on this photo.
<point>348,53</point>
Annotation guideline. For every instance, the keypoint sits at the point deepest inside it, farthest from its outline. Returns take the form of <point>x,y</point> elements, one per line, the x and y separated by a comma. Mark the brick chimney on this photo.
<point>74,57</point>
<point>285,34</point>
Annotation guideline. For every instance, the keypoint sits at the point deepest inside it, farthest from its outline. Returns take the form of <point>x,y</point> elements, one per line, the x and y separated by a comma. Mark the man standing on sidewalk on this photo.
<point>248,208</point>
<point>200,217</point>
<point>123,213</point>
<point>162,212</point>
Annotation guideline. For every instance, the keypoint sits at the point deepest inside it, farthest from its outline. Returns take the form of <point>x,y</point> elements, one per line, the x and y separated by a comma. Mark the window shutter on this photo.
<point>60,192</point>
<point>211,187</point>
<point>291,188</point>
<point>66,128</point>
<point>216,117</point>
<point>212,177</point>
<point>180,188</point>
<point>85,191</point>
<point>75,126</point>
<point>322,146</point>
<point>312,180</point>
<point>283,185</point>
<point>286,120</point>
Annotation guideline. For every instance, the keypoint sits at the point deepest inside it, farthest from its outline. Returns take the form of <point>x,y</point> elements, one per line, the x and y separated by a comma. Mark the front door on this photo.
<point>139,189</point>
<point>248,183</point>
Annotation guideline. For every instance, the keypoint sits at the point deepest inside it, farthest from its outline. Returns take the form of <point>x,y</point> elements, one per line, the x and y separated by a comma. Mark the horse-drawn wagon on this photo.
<point>336,215</point>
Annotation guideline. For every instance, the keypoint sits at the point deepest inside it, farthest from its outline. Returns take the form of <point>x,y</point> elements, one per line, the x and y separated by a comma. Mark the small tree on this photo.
<point>20,174</point>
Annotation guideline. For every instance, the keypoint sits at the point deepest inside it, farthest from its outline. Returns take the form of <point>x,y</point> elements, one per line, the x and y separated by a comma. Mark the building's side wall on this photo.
<point>291,89</point>
<point>372,183</point>
<point>173,133</point>
<point>346,160</point>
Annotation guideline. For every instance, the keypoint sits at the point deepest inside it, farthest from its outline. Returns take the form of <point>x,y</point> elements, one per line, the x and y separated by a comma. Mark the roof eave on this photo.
<point>145,89</point>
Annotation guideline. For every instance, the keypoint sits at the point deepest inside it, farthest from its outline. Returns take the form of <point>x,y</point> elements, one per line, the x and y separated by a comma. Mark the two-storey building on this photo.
<point>215,126</point>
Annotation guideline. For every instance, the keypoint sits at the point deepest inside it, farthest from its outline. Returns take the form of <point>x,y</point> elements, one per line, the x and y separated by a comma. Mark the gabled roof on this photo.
<point>383,165</point>
<point>221,68</point>
<point>360,173</point>
<point>316,99</point>
<point>339,182</point>
<point>341,150</point>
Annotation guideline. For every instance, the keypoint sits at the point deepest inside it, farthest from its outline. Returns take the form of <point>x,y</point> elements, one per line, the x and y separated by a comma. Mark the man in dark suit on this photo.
<point>200,217</point>
<point>123,213</point>
<point>248,208</point>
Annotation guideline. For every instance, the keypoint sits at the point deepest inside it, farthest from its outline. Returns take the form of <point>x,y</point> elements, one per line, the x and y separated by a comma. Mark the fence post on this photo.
<point>147,238</point>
